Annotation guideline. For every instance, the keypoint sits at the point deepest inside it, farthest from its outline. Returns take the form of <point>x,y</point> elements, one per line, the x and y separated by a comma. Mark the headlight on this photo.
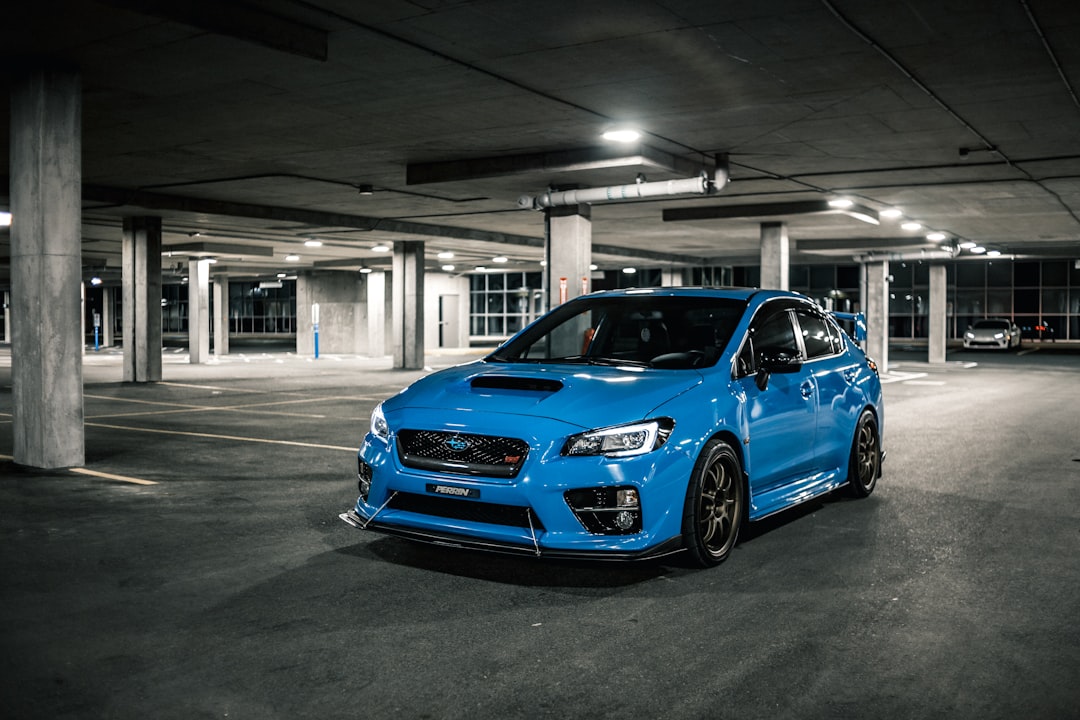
<point>620,441</point>
<point>379,428</point>
<point>998,336</point>
<point>969,335</point>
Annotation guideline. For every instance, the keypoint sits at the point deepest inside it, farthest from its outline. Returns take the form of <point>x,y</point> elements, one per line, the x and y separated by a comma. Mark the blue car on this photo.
<point>628,424</point>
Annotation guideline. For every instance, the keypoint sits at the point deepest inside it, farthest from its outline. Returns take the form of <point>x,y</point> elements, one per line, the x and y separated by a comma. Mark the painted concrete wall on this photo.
<point>436,285</point>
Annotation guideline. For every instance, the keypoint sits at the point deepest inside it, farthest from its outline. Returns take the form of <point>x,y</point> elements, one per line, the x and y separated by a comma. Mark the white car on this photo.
<point>993,333</point>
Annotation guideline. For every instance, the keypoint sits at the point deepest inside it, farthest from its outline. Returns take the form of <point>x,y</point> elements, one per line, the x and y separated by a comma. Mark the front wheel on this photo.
<point>715,502</point>
<point>865,463</point>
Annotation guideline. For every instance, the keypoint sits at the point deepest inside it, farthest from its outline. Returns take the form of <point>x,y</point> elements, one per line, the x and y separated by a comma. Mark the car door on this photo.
<point>833,371</point>
<point>781,418</point>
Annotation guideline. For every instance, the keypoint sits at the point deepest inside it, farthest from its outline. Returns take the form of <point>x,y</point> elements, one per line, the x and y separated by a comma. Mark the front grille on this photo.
<point>461,453</point>
<point>471,510</point>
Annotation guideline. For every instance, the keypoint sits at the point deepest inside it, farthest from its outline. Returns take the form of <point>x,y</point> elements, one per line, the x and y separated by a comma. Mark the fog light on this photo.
<point>624,520</point>
<point>364,474</point>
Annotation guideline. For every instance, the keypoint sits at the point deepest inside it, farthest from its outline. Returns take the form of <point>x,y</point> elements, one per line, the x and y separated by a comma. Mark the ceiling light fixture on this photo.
<point>448,268</point>
<point>967,245</point>
<point>281,276</point>
<point>365,270</point>
<point>500,259</point>
<point>935,236</point>
<point>911,226</point>
<point>841,203</point>
<point>629,270</point>
<point>381,248</point>
<point>993,253</point>
<point>624,135</point>
<point>978,250</point>
<point>365,189</point>
<point>5,219</point>
<point>292,258</point>
<point>445,255</point>
<point>313,243</point>
<point>891,213</point>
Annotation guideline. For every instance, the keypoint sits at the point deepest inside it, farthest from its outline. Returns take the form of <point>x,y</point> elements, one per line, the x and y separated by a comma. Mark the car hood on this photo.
<point>584,395</point>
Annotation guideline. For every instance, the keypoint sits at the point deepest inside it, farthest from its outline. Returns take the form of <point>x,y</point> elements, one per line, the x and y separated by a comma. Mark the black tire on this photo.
<point>715,505</point>
<point>865,465</point>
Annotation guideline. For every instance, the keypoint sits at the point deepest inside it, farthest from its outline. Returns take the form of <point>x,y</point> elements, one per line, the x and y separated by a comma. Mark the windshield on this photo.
<point>992,324</point>
<point>643,330</point>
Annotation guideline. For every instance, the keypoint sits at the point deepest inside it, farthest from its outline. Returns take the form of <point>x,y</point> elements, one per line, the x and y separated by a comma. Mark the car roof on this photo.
<point>728,293</point>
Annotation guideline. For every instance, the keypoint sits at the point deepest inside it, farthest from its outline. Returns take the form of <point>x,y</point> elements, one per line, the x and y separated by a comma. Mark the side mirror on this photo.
<point>778,363</point>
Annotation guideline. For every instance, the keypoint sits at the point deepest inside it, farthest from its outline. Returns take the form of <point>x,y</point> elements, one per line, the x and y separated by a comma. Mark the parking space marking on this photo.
<point>110,476</point>
<point>924,382</point>
<point>896,376</point>
<point>214,436</point>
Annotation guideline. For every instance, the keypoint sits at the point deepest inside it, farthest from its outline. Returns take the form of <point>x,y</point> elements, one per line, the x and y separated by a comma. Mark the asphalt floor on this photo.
<point>196,568</point>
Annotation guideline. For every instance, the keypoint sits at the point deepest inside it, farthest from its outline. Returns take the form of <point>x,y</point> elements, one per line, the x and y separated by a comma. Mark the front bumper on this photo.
<point>448,539</point>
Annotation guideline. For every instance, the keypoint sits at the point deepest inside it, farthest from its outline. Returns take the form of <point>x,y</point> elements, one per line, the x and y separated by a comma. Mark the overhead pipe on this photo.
<point>700,185</point>
<point>905,256</point>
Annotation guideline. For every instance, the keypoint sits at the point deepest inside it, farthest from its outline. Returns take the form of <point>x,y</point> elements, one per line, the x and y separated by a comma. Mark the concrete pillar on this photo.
<point>198,311</point>
<point>674,277</point>
<point>342,320</point>
<point>376,313</point>
<point>938,321</point>
<point>107,317</point>
<point>221,315</point>
<point>875,289</point>
<point>142,299</point>
<point>46,268</point>
<point>775,256</point>
<point>569,253</point>
<point>408,305</point>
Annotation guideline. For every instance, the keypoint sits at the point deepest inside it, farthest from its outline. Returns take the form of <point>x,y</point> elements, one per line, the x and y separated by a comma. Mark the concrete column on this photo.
<point>342,320</point>
<point>46,268</point>
<point>569,253</point>
<point>376,313</point>
<point>408,306</point>
<point>875,288</point>
<point>198,311</point>
<point>106,317</point>
<point>221,315</point>
<point>674,277</point>
<point>775,256</point>
<point>938,324</point>
<point>142,299</point>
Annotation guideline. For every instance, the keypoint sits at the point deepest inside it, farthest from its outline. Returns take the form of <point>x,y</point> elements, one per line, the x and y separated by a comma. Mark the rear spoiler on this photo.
<point>853,323</point>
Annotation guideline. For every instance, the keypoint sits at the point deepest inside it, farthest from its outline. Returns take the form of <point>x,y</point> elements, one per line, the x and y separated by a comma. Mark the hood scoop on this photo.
<point>511,382</point>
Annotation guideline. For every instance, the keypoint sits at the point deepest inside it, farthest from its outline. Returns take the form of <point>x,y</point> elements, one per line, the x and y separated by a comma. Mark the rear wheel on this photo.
<point>865,463</point>
<point>715,502</point>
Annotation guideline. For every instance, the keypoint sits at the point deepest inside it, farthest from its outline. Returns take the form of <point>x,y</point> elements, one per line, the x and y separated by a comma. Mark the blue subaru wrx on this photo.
<point>628,424</point>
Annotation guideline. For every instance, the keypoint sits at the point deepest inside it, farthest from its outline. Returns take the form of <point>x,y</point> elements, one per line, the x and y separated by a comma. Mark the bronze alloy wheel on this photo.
<point>865,456</point>
<point>714,504</point>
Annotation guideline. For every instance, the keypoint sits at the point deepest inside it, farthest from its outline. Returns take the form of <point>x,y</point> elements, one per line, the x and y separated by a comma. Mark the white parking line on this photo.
<point>924,382</point>
<point>897,376</point>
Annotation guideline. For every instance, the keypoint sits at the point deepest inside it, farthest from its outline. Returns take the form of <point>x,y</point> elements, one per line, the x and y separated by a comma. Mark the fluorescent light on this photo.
<point>365,270</point>
<point>622,135</point>
<point>499,259</point>
<point>281,276</point>
<point>481,268</point>
<point>629,271</point>
<point>448,268</point>
<point>445,255</point>
<point>292,258</point>
<point>978,250</point>
<point>5,218</point>
<point>967,245</point>
<point>891,213</point>
<point>841,203</point>
<point>912,226</point>
<point>313,243</point>
<point>935,236</point>
<point>592,267</point>
<point>381,248</point>
<point>993,253</point>
<point>95,280</point>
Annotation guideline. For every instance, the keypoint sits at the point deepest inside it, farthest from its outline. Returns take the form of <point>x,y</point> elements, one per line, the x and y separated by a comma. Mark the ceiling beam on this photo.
<point>774,209</point>
<point>555,161</point>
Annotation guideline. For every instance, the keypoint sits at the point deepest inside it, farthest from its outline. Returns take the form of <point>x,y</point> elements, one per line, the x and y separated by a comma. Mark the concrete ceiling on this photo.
<point>258,125</point>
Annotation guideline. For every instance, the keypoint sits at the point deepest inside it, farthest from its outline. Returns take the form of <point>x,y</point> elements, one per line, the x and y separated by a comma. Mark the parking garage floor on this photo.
<point>196,568</point>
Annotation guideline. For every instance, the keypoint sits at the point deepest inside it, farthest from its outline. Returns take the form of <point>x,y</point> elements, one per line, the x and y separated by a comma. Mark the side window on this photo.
<point>776,336</point>
<point>817,339</point>
<point>837,335</point>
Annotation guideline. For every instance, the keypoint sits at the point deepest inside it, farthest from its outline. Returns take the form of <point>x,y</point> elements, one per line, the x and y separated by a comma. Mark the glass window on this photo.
<point>971,274</point>
<point>1026,274</point>
<point>1026,301</point>
<point>901,275</point>
<point>1055,272</point>
<point>847,277</point>
<point>1053,301</point>
<point>815,333</point>
<point>999,274</point>
<point>775,336</point>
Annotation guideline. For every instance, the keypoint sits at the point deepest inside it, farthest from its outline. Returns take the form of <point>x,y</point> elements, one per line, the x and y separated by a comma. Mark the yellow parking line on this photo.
<point>110,476</point>
<point>213,436</point>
